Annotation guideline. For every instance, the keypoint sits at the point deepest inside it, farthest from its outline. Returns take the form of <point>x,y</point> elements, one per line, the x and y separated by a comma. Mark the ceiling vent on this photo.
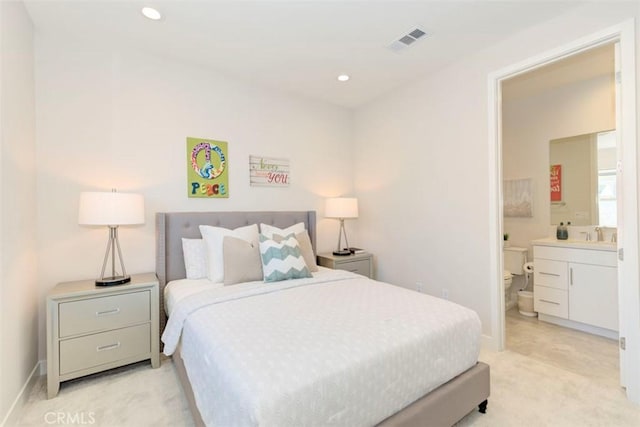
<point>407,39</point>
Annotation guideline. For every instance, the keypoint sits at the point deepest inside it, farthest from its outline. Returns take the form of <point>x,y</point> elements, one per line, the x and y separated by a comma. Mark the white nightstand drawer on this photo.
<point>360,266</point>
<point>361,263</point>
<point>94,350</point>
<point>554,302</point>
<point>103,313</point>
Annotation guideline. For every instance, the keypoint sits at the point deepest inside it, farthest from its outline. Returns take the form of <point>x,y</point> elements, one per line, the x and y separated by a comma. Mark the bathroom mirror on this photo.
<point>582,171</point>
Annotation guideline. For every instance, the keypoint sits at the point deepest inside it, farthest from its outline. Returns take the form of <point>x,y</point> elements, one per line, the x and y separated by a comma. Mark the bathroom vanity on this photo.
<point>576,284</point>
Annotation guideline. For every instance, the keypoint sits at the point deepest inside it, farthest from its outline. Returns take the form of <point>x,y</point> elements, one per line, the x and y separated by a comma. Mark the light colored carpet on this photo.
<point>134,395</point>
<point>535,385</point>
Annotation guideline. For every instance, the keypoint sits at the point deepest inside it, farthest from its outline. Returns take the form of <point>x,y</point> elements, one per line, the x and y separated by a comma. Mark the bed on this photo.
<point>242,361</point>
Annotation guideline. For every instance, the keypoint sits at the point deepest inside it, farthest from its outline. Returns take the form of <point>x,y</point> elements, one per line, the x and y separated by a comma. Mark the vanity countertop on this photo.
<point>577,244</point>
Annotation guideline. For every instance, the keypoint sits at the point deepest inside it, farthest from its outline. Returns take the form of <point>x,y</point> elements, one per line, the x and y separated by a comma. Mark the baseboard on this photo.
<point>11,419</point>
<point>595,330</point>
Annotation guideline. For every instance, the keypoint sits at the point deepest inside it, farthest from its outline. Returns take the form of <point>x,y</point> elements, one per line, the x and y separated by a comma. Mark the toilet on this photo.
<point>514,259</point>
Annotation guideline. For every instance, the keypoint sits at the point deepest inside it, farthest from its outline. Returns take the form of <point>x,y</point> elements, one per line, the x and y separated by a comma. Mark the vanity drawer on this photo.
<point>550,273</point>
<point>106,347</point>
<point>554,302</point>
<point>111,312</point>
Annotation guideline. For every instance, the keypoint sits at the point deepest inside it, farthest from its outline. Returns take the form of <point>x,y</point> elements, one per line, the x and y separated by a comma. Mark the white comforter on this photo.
<point>338,350</point>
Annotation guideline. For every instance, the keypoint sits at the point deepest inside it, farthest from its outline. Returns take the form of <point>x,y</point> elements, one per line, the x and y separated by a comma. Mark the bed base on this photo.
<point>442,407</point>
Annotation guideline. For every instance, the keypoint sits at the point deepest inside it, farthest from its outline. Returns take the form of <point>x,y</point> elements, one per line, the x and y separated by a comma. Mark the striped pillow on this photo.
<point>282,260</point>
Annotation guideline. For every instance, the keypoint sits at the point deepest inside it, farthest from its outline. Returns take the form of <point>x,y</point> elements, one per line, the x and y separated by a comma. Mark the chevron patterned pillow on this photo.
<point>282,260</point>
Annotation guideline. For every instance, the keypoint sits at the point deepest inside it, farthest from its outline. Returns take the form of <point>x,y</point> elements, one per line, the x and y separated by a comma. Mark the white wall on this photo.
<point>528,126</point>
<point>120,118</point>
<point>18,287</point>
<point>421,165</point>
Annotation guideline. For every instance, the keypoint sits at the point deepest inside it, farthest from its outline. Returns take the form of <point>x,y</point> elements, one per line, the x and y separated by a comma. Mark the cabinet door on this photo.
<point>593,295</point>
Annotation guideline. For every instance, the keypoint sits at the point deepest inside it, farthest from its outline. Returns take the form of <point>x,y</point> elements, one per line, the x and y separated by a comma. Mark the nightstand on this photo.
<point>358,263</point>
<point>94,328</point>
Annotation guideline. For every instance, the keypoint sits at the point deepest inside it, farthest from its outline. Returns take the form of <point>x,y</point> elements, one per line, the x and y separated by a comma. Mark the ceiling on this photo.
<point>300,46</point>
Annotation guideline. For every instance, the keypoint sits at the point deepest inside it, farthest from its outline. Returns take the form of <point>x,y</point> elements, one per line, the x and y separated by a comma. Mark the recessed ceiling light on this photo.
<point>343,77</point>
<point>151,13</point>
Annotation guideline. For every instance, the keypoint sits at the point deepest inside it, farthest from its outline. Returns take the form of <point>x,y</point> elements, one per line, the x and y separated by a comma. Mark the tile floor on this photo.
<point>585,354</point>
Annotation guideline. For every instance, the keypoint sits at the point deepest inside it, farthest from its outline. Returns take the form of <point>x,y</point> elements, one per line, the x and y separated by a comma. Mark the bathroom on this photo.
<point>559,166</point>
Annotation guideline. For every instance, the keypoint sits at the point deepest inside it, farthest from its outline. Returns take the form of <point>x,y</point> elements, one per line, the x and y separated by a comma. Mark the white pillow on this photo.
<point>269,230</point>
<point>195,258</point>
<point>213,238</point>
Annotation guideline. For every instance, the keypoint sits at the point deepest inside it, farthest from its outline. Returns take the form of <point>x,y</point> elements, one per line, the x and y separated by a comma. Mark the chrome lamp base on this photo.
<point>345,251</point>
<point>112,245</point>
<point>111,281</point>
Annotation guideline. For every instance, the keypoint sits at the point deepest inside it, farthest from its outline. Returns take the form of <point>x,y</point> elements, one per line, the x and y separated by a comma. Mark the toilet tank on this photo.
<point>514,259</point>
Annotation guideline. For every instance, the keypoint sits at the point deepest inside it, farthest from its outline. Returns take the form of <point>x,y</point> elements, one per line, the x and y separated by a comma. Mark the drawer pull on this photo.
<point>549,302</point>
<point>107,312</point>
<point>550,274</point>
<point>108,347</point>
<point>571,276</point>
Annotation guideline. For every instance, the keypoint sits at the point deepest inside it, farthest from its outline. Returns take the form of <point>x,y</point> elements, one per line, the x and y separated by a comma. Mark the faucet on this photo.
<point>599,237</point>
<point>587,236</point>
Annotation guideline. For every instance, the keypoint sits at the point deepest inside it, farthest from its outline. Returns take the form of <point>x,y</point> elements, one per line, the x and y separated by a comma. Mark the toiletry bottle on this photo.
<point>559,231</point>
<point>566,230</point>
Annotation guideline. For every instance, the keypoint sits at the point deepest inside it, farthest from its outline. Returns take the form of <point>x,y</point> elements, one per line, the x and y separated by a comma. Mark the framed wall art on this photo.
<point>269,171</point>
<point>207,168</point>
<point>555,180</point>
<point>518,197</point>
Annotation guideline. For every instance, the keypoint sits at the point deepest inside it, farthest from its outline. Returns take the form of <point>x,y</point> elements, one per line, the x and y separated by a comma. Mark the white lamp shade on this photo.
<point>341,207</point>
<point>110,208</point>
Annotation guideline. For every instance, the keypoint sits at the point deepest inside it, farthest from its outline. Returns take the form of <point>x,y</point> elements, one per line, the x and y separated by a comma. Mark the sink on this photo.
<point>575,243</point>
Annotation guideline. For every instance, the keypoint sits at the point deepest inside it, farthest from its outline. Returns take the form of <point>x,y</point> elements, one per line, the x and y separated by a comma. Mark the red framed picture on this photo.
<point>555,178</point>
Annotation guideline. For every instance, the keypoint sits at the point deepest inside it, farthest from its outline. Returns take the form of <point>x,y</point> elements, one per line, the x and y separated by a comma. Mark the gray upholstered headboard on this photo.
<point>171,227</point>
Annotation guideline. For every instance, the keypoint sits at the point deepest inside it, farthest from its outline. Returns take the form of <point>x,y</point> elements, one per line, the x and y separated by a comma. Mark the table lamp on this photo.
<point>341,208</point>
<point>111,209</point>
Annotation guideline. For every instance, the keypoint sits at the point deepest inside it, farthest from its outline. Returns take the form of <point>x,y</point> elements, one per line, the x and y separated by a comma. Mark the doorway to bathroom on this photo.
<point>559,139</point>
<point>624,122</point>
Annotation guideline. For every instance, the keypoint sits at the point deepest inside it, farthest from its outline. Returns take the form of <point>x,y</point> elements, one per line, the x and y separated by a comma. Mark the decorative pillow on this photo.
<point>213,237</point>
<point>282,260</point>
<point>195,258</point>
<point>304,241</point>
<point>242,261</point>
<point>270,230</point>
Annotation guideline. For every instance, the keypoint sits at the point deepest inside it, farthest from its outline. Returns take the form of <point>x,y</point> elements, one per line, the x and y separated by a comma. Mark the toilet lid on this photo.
<point>507,275</point>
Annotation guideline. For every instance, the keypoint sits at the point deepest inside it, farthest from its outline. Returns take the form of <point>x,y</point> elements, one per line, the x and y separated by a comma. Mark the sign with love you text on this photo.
<point>269,171</point>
